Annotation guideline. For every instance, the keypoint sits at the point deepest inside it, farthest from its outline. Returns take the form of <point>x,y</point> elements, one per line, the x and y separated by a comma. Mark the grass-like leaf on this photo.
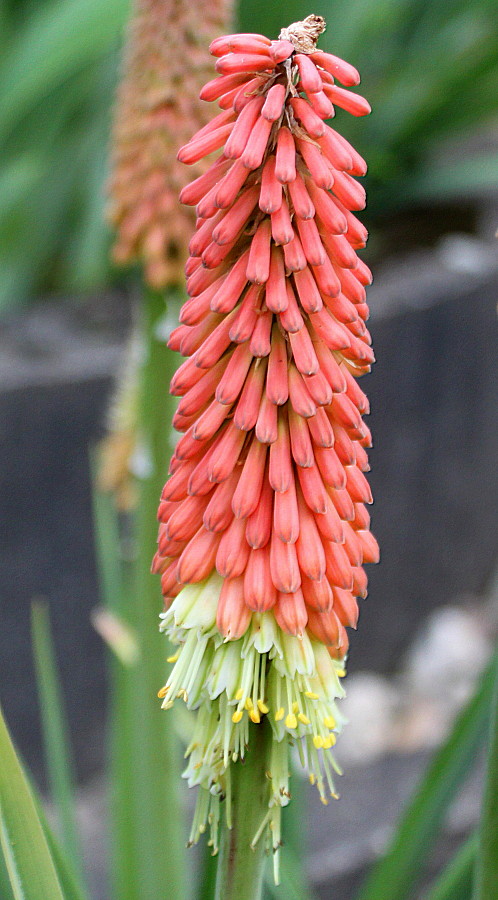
<point>148,828</point>
<point>71,888</point>
<point>29,864</point>
<point>55,732</point>
<point>115,577</point>
<point>455,882</point>
<point>58,39</point>
<point>486,882</point>
<point>395,876</point>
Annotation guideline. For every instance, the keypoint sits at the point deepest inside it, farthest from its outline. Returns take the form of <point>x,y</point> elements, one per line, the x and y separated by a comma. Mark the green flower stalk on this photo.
<point>263,525</point>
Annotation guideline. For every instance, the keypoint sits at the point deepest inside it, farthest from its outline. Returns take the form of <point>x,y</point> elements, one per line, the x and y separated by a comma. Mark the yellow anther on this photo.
<point>317,741</point>
<point>239,694</point>
<point>324,801</point>
<point>328,742</point>
<point>311,695</point>
<point>279,714</point>
<point>335,796</point>
<point>172,659</point>
<point>166,704</point>
<point>329,722</point>
<point>312,778</point>
<point>263,708</point>
<point>295,707</point>
<point>304,719</point>
<point>341,672</point>
<point>291,721</point>
<point>162,692</point>
<point>249,704</point>
<point>237,716</point>
<point>254,716</point>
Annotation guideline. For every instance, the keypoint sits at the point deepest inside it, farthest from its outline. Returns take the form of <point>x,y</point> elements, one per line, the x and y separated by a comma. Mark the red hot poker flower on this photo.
<point>263,524</point>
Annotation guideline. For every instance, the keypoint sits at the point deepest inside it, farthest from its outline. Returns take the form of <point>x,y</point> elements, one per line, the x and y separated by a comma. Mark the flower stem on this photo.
<point>241,868</point>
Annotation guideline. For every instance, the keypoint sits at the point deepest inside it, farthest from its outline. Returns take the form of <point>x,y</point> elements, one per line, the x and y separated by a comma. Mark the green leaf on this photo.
<point>158,817</point>
<point>28,861</point>
<point>149,834</point>
<point>71,889</point>
<point>455,882</point>
<point>394,877</point>
<point>115,576</point>
<point>5,887</point>
<point>486,883</point>
<point>17,178</point>
<point>59,39</point>
<point>477,173</point>
<point>55,733</point>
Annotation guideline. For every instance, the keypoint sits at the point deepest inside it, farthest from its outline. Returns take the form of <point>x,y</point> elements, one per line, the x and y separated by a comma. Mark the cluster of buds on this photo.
<point>263,525</point>
<point>158,107</point>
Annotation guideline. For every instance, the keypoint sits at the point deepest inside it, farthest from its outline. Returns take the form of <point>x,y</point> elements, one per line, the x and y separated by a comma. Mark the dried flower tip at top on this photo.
<point>304,35</point>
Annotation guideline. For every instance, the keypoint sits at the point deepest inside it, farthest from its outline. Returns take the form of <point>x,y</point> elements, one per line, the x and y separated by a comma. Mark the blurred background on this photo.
<point>430,71</point>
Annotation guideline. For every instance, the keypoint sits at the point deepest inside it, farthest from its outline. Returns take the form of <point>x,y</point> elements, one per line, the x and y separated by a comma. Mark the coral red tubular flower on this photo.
<point>267,517</point>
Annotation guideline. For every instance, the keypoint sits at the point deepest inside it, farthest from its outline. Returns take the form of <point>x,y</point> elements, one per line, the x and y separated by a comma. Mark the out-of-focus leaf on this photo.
<point>55,733</point>
<point>466,177</point>
<point>158,818</point>
<point>5,888</point>
<point>28,861</point>
<point>292,884</point>
<point>148,827</point>
<point>394,877</point>
<point>115,576</point>
<point>71,889</point>
<point>57,40</point>
<point>16,180</point>
<point>455,882</point>
<point>486,881</point>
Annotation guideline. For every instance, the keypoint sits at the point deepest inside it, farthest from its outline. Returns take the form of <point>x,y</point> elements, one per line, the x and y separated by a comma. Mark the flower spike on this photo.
<point>151,116</point>
<point>264,529</point>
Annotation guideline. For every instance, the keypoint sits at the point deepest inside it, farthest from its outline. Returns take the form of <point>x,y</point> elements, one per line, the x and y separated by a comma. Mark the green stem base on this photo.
<point>241,868</point>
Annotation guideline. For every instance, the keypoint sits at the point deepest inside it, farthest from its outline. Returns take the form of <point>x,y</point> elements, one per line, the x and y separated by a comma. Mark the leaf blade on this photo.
<point>28,859</point>
<point>394,877</point>
<point>55,734</point>
<point>455,882</point>
<point>486,884</point>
